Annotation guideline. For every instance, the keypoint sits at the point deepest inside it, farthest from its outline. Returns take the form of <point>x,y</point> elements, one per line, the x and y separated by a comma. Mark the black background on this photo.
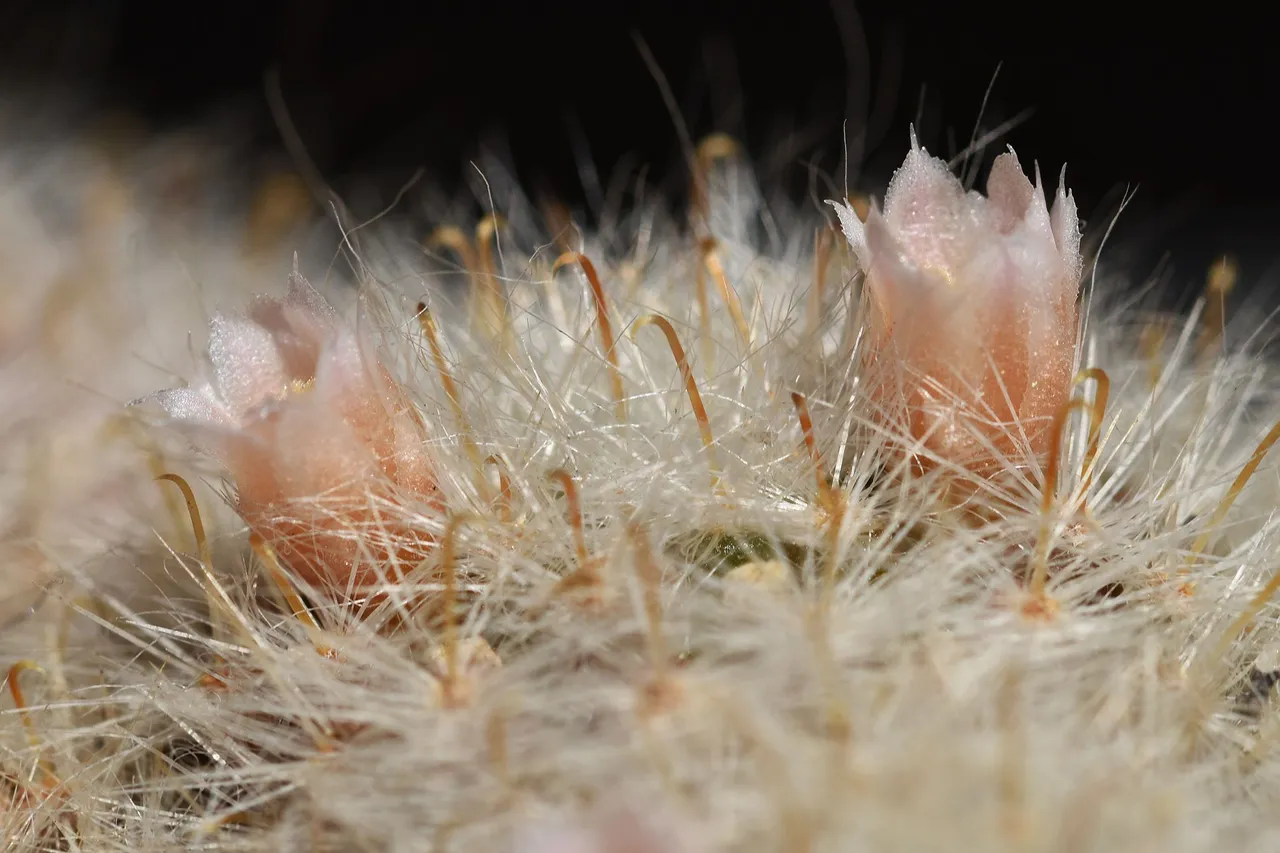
<point>1178,104</point>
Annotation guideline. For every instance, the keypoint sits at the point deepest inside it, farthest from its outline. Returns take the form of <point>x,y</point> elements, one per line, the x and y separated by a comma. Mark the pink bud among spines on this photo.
<point>973,327</point>
<point>321,441</point>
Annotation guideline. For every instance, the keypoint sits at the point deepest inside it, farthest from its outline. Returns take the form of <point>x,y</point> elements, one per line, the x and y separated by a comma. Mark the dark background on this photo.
<point>1178,104</point>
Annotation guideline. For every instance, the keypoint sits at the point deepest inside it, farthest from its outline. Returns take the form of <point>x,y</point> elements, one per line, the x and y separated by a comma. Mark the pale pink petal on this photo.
<point>316,452</point>
<point>199,404</point>
<point>1037,220</point>
<point>1066,229</point>
<point>930,213</point>
<point>306,298</point>
<point>347,384</point>
<point>296,340</point>
<point>246,363</point>
<point>899,285</point>
<point>301,323</point>
<point>854,231</point>
<point>1009,192</point>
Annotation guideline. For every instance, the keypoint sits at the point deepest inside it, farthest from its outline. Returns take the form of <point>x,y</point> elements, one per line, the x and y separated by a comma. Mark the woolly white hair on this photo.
<point>767,662</point>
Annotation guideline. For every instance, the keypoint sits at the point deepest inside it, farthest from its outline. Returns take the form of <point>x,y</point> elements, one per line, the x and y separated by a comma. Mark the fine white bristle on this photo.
<point>618,625</point>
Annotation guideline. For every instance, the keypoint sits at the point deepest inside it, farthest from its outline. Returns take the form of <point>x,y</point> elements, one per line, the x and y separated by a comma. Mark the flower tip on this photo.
<point>853,228</point>
<point>297,408</point>
<point>976,294</point>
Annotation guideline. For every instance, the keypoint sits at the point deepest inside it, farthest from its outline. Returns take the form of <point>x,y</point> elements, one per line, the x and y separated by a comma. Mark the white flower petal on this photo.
<point>1009,192</point>
<point>1065,225</point>
<point>303,295</point>
<point>246,363</point>
<point>854,231</point>
<point>198,404</point>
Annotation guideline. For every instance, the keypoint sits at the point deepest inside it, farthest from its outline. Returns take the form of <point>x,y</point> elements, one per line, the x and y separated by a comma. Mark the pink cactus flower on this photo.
<point>324,446</point>
<point>973,309</point>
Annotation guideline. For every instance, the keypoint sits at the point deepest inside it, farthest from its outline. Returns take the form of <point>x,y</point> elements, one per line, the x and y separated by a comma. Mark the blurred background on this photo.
<point>1177,104</point>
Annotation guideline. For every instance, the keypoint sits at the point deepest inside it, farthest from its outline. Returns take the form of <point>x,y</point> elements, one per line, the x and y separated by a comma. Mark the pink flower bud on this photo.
<point>325,448</point>
<point>973,308</point>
